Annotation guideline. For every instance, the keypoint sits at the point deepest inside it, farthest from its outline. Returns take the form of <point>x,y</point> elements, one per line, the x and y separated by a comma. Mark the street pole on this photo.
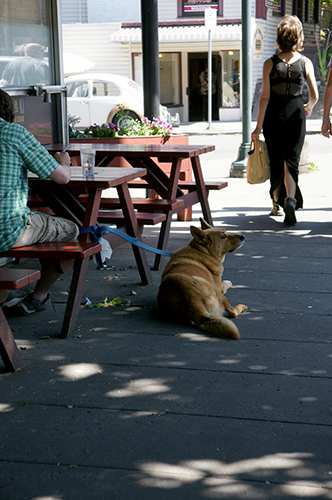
<point>209,80</point>
<point>210,21</point>
<point>239,166</point>
<point>150,56</point>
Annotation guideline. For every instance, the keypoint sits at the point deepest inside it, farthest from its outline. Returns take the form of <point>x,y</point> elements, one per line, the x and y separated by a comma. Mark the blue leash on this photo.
<point>96,232</point>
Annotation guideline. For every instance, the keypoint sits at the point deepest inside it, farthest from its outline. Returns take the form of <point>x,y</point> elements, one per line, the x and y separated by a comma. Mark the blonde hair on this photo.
<point>290,34</point>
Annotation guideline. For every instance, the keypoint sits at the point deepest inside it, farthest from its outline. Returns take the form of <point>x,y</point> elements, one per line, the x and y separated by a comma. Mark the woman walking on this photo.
<point>282,115</point>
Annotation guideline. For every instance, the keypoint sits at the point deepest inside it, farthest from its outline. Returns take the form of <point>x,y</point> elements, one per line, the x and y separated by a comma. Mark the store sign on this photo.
<point>210,18</point>
<point>275,5</point>
<point>257,50</point>
<point>199,5</point>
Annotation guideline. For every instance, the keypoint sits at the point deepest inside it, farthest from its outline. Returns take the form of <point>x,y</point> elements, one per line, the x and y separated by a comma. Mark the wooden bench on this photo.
<point>12,279</point>
<point>143,219</point>
<point>56,252</point>
<point>185,185</point>
<point>140,204</point>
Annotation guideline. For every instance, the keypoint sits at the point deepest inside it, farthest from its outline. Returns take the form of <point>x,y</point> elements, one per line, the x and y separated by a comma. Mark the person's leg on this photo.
<point>49,277</point>
<point>290,184</point>
<point>42,228</point>
<point>290,201</point>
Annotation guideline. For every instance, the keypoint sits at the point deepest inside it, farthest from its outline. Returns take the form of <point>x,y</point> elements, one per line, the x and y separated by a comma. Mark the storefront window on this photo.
<point>24,43</point>
<point>231,79</point>
<point>169,67</point>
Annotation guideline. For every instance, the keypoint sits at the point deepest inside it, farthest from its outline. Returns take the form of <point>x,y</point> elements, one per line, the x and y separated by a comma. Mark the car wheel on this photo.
<point>126,120</point>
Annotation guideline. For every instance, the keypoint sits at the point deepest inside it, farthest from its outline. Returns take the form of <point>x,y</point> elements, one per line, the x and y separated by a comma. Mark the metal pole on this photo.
<point>239,166</point>
<point>209,80</point>
<point>150,57</point>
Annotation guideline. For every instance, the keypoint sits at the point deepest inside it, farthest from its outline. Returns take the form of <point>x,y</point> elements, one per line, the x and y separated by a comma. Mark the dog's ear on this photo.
<point>200,236</point>
<point>204,224</point>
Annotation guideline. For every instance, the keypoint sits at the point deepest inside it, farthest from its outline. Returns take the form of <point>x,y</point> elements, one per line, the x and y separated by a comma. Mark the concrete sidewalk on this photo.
<point>233,127</point>
<point>135,408</point>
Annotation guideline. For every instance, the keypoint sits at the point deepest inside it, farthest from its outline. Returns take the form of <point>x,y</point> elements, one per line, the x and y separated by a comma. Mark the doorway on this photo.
<point>197,63</point>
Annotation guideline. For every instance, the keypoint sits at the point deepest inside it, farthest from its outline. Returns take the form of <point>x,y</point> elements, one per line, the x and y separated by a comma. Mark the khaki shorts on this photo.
<point>42,228</point>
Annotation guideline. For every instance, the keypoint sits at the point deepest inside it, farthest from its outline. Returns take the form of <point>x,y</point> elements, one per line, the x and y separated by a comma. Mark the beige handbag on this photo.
<point>258,166</point>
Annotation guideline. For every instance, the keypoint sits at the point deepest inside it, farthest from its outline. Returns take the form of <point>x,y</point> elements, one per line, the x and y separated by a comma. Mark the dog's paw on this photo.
<point>241,308</point>
<point>227,284</point>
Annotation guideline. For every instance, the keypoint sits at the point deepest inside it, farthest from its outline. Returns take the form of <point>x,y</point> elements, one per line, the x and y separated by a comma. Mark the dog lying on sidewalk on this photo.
<point>192,289</point>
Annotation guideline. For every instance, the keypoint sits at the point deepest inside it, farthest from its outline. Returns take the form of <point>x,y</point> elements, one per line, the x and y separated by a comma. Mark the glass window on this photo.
<point>78,89</point>
<point>169,70</point>
<point>103,89</point>
<point>24,43</point>
<point>231,79</point>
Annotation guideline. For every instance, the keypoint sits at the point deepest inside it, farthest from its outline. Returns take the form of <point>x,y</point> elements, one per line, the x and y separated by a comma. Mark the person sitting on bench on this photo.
<point>20,153</point>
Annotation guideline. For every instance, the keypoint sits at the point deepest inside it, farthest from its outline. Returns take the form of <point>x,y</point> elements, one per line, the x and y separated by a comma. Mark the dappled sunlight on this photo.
<point>318,235</point>
<point>54,357</point>
<point>141,387</point>
<point>215,477</point>
<point>5,407</point>
<point>49,497</point>
<point>196,337</point>
<point>79,371</point>
<point>229,361</point>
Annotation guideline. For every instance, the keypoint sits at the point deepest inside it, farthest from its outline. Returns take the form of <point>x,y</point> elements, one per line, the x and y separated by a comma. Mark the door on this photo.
<point>197,93</point>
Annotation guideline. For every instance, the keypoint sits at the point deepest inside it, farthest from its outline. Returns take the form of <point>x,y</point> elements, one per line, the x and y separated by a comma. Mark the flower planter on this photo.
<point>186,170</point>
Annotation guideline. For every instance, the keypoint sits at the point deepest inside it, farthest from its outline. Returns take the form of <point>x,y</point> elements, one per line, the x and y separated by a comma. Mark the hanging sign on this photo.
<point>199,5</point>
<point>274,5</point>
<point>257,50</point>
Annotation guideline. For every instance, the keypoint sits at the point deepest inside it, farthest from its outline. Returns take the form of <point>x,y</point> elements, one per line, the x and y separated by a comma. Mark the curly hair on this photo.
<point>6,107</point>
<point>290,34</point>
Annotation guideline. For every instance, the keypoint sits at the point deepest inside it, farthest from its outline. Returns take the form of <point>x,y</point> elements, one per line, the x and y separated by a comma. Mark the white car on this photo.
<point>96,98</point>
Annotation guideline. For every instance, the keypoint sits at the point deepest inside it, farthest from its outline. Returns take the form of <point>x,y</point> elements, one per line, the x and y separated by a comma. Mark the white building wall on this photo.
<point>74,11</point>
<point>167,10</point>
<point>110,11</point>
<point>91,41</point>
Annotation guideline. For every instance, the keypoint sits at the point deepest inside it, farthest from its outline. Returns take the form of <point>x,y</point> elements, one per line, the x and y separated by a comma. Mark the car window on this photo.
<point>102,89</point>
<point>78,89</point>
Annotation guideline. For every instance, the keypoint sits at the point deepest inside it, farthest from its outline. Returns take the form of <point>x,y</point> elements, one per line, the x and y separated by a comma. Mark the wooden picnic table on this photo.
<point>62,199</point>
<point>167,187</point>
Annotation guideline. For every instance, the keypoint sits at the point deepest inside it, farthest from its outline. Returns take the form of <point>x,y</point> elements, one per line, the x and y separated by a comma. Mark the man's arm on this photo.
<point>62,174</point>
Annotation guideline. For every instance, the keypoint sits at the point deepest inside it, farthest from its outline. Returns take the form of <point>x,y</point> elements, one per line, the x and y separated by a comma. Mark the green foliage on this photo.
<point>128,127</point>
<point>323,55</point>
<point>117,301</point>
<point>104,130</point>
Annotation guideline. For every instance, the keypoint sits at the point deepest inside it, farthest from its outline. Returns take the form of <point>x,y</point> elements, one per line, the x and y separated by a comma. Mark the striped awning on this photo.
<point>181,33</point>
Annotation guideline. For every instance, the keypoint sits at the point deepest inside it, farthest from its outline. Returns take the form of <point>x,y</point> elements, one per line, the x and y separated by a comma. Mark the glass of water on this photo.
<point>88,160</point>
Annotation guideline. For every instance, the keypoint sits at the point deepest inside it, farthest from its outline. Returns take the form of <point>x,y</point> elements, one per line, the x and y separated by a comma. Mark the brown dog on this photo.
<point>192,289</point>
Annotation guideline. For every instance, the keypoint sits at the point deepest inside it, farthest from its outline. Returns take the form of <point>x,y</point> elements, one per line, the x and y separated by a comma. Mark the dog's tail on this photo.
<point>218,326</point>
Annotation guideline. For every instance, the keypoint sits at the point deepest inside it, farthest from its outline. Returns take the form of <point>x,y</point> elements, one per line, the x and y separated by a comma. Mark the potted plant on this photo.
<point>132,131</point>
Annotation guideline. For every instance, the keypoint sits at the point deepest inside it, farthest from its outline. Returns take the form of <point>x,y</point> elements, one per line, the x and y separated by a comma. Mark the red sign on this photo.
<point>199,5</point>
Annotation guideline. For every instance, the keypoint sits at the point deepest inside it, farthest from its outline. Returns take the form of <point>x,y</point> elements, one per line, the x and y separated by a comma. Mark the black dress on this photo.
<point>284,125</point>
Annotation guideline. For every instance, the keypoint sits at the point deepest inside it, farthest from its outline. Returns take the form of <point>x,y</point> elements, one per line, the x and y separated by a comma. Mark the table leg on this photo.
<point>133,230</point>
<point>172,193</point>
<point>74,297</point>
<point>201,189</point>
<point>8,348</point>
<point>80,268</point>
